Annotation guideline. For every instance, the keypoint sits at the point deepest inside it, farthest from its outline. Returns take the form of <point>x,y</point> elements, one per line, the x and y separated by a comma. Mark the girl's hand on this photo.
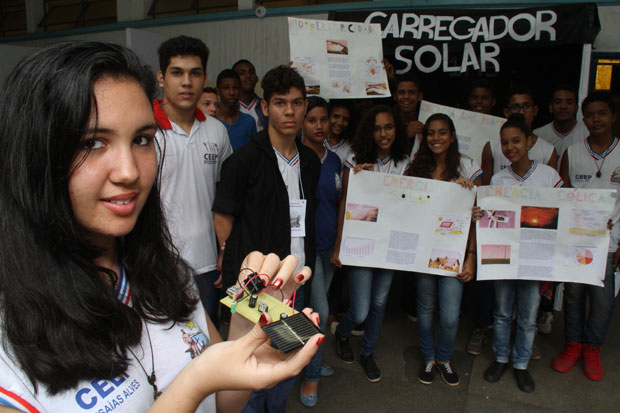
<point>334,259</point>
<point>476,213</point>
<point>364,167</point>
<point>610,224</point>
<point>389,69</point>
<point>469,269</point>
<point>414,127</point>
<point>464,182</point>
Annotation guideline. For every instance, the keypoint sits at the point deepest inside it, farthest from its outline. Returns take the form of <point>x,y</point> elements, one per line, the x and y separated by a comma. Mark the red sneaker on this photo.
<point>567,359</point>
<point>592,367</point>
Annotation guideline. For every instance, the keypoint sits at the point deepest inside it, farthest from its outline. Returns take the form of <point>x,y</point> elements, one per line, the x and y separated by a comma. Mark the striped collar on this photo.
<point>162,118</point>
<point>122,287</point>
<point>324,156</point>
<point>292,162</point>
<point>385,160</point>
<point>526,175</point>
<point>250,105</point>
<point>335,146</point>
<point>606,152</point>
<point>560,134</point>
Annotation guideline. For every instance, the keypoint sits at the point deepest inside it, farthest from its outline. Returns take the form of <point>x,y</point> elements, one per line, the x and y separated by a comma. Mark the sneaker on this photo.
<point>343,348</point>
<point>373,374</point>
<point>358,331</point>
<point>569,356</point>
<point>427,373</point>
<point>525,382</point>
<point>544,322</point>
<point>448,374</point>
<point>592,366</point>
<point>412,316</point>
<point>495,371</point>
<point>477,340</point>
<point>333,326</point>
<point>536,354</point>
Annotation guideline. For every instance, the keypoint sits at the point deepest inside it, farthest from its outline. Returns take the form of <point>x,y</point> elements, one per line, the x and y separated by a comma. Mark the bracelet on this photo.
<point>223,246</point>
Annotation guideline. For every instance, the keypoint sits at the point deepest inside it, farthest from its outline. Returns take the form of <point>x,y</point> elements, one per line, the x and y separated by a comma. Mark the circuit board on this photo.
<point>264,302</point>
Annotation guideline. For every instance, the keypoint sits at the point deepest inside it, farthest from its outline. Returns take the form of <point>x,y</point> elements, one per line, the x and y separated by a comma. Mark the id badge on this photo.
<point>298,217</point>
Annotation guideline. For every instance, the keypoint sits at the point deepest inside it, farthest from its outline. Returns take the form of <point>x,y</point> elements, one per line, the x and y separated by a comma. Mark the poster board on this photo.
<point>543,234</point>
<point>405,223</point>
<point>338,59</point>
<point>473,129</point>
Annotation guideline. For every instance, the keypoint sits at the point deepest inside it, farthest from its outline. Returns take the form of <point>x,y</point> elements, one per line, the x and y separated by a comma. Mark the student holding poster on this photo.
<point>592,163</point>
<point>439,158</point>
<point>379,145</point>
<point>516,141</point>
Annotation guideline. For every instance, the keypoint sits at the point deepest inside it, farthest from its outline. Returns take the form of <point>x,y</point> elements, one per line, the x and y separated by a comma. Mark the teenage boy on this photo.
<point>195,147</point>
<point>263,184</point>
<point>481,97</point>
<point>592,163</point>
<point>209,103</point>
<point>249,102</point>
<point>408,95</point>
<point>564,129</point>
<point>520,100</point>
<point>240,126</point>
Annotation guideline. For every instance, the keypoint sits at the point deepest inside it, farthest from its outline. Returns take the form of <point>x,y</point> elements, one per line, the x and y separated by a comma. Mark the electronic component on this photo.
<point>240,305</point>
<point>262,306</point>
<point>291,333</point>
<point>254,284</point>
<point>252,302</point>
<point>283,315</point>
<point>233,291</point>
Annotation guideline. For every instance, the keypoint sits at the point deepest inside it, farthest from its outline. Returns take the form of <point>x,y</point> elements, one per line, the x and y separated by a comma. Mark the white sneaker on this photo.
<point>545,321</point>
<point>333,326</point>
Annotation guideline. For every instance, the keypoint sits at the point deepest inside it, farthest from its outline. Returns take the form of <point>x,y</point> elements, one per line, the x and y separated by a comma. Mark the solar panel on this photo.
<point>290,333</point>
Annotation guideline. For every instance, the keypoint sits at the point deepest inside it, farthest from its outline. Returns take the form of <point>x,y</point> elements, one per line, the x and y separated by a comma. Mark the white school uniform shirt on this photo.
<point>250,109</point>
<point>469,168</point>
<point>173,348</point>
<point>291,174</point>
<point>386,165</point>
<point>560,141</point>
<point>190,170</point>
<point>583,165</point>
<point>342,149</point>
<point>539,175</point>
<point>541,152</point>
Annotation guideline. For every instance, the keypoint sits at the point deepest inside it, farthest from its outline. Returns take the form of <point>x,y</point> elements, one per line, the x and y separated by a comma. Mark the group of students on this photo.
<point>120,211</point>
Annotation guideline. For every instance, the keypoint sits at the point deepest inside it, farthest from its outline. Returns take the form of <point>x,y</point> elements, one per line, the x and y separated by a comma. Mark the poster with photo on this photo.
<point>338,59</point>
<point>473,129</point>
<point>405,223</point>
<point>543,234</point>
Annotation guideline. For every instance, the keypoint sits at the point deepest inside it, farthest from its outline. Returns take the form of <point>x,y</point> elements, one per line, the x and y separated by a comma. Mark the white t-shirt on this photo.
<point>191,168</point>
<point>250,109</point>
<point>559,141</point>
<point>342,149</point>
<point>130,392</point>
<point>291,174</point>
<point>539,175</point>
<point>470,168</point>
<point>541,152</point>
<point>386,165</point>
<point>583,165</point>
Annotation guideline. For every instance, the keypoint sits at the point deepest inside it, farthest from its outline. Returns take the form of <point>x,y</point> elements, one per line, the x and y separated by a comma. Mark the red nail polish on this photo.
<point>277,284</point>
<point>318,319</point>
<point>299,278</point>
<point>262,321</point>
<point>320,340</point>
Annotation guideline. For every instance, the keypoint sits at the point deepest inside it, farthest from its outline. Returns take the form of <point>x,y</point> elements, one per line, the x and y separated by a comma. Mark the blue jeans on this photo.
<point>273,400</point>
<point>321,279</point>
<point>592,330</point>
<point>368,291</point>
<point>208,293</point>
<point>449,290</point>
<point>527,294</point>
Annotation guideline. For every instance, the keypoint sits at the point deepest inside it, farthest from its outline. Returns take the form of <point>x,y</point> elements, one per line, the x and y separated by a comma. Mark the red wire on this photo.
<point>292,303</point>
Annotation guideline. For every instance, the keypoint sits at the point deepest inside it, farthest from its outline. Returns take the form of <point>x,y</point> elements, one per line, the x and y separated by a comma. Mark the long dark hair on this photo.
<point>424,162</point>
<point>364,147</point>
<point>60,318</point>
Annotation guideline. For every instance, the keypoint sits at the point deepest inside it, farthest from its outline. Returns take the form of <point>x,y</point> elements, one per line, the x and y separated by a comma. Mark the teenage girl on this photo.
<point>338,136</point>
<point>379,145</point>
<point>515,138</point>
<point>438,158</point>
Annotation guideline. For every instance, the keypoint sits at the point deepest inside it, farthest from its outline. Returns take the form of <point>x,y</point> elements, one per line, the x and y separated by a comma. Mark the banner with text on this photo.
<point>405,223</point>
<point>543,233</point>
<point>338,59</point>
<point>458,40</point>
<point>473,129</point>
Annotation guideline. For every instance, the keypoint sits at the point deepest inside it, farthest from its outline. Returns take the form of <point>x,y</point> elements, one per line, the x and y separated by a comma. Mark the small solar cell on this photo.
<point>291,333</point>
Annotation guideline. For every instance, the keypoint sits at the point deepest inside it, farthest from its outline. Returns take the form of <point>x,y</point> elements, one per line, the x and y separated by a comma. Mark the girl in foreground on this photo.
<point>379,146</point>
<point>439,158</point>
<point>98,312</point>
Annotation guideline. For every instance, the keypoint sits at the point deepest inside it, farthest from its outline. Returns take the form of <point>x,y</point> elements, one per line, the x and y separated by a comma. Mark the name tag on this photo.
<point>297,212</point>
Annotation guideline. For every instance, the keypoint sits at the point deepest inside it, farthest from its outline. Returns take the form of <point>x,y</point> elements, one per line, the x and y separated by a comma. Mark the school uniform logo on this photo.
<point>211,153</point>
<point>195,339</point>
<point>583,178</point>
<point>615,176</point>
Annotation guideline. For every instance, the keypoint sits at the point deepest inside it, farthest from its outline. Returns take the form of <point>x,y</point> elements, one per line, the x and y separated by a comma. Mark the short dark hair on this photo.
<point>565,86</point>
<point>209,89</point>
<point>280,80</point>
<point>316,101</point>
<point>227,74</point>
<point>599,96</point>
<point>182,46</point>
<point>238,62</point>
<point>521,89</point>
<point>481,84</point>
<point>517,120</point>
<point>409,77</point>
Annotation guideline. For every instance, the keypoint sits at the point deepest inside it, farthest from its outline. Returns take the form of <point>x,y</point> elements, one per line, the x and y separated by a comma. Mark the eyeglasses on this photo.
<point>516,108</point>
<point>387,128</point>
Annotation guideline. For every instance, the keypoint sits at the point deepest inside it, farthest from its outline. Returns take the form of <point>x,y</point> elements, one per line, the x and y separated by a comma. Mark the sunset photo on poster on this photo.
<point>539,217</point>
